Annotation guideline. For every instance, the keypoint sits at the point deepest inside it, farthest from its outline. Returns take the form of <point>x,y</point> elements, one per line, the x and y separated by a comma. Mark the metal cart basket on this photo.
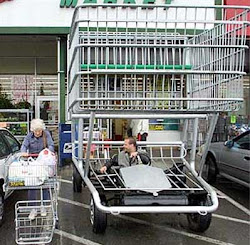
<point>149,62</point>
<point>25,173</point>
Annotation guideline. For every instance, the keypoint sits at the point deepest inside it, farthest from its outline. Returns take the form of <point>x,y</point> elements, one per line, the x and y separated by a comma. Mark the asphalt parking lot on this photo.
<point>230,223</point>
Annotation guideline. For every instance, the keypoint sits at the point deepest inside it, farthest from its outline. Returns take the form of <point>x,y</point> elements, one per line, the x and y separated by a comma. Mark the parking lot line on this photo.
<point>220,195</point>
<point>214,215</point>
<point>73,202</point>
<point>232,201</point>
<point>184,233</point>
<point>75,238</point>
<point>66,181</point>
<point>231,219</point>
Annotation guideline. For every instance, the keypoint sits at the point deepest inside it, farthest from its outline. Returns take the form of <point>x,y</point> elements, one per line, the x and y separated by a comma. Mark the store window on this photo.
<point>47,109</point>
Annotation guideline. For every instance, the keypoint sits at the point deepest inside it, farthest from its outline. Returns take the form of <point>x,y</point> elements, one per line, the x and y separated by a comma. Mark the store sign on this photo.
<point>73,3</point>
<point>67,148</point>
<point>68,3</point>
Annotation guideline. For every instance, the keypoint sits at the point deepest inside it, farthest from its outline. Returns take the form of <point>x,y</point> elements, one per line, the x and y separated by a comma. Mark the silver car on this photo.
<point>8,146</point>
<point>230,159</point>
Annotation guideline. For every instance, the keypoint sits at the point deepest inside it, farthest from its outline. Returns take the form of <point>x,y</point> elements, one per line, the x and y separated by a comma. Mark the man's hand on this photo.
<point>134,154</point>
<point>103,169</point>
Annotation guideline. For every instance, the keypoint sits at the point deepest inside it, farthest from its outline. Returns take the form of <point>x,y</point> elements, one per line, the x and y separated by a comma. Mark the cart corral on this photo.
<point>145,63</point>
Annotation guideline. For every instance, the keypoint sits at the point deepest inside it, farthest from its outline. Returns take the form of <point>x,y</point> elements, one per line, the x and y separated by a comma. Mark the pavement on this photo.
<point>230,223</point>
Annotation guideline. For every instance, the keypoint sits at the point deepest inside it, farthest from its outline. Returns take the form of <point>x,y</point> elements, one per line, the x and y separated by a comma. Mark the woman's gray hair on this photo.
<point>37,124</point>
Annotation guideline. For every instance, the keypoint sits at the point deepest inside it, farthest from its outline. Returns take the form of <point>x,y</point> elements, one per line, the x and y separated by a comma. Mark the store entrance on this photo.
<point>46,108</point>
<point>29,70</point>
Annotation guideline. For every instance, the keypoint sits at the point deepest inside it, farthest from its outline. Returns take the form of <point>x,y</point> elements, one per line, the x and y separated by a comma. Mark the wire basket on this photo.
<point>150,60</point>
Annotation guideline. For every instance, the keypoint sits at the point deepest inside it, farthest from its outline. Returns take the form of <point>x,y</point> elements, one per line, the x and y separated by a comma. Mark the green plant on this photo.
<point>23,105</point>
<point>5,102</point>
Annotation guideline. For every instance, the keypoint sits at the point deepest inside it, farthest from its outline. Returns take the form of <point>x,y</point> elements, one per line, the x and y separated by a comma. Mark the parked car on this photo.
<point>8,146</point>
<point>230,159</point>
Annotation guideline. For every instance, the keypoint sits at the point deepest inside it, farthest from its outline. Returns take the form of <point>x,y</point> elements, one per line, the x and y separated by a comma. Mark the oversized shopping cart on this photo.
<point>27,173</point>
<point>77,179</point>
<point>149,62</point>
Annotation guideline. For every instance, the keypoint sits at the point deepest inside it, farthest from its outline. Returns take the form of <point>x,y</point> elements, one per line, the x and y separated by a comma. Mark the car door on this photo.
<point>4,153</point>
<point>235,160</point>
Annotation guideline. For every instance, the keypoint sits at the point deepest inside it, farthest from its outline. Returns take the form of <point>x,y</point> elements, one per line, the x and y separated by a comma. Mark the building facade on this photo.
<point>33,52</point>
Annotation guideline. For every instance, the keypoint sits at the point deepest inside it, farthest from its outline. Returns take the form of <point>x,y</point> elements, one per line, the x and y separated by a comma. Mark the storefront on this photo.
<point>33,56</point>
<point>33,43</point>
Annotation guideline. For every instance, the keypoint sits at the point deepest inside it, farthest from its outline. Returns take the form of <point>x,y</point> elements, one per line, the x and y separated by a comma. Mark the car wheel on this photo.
<point>77,181</point>
<point>198,222</point>
<point>209,171</point>
<point>98,218</point>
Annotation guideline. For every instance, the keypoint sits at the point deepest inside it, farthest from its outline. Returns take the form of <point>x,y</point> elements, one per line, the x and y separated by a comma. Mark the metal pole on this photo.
<point>35,93</point>
<point>193,150</point>
<point>185,133</point>
<point>80,144</point>
<point>73,137</point>
<point>90,135</point>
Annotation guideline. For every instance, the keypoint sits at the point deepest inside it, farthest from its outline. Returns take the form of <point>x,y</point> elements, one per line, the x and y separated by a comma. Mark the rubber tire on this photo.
<point>211,172</point>
<point>1,209</point>
<point>98,218</point>
<point>77,181</point>
<point>197,222</point>
<point>57,224</point>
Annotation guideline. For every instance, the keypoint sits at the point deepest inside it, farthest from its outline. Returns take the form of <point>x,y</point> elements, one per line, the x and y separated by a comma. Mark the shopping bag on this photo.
<point>48,158</point>
<point>27,172</point>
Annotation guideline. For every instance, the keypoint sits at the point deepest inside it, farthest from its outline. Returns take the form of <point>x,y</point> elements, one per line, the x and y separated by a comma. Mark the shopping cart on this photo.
<point>77,179</point>
<point>150,62</point>
<point>27,173</point>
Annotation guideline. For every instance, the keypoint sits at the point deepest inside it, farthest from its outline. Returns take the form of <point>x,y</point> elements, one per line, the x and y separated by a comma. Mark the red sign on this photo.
<point>1,1</point>
<point>232,12</point>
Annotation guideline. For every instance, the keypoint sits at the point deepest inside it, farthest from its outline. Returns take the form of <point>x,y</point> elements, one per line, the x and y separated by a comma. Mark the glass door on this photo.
<point>47,109</point>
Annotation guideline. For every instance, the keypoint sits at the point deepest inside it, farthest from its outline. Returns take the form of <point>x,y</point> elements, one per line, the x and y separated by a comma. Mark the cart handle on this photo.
<point>30,155</point>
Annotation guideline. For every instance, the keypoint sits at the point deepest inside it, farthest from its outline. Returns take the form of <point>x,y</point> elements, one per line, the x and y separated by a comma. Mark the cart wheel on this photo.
<point>57,224</point>
<point>98,219</point>
<point>209,172</point>
<point>77,181</point>
<point>197,222</point>
<point>1,208</point>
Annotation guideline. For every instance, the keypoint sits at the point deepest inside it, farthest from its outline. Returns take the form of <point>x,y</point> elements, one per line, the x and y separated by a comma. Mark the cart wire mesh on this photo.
<point>25,173</point>
<point>168,157</point>
<point>37,231</point>
<point>152,59</point>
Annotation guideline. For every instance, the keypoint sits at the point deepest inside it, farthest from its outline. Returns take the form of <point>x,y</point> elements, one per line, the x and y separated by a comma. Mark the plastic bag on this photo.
<point>48,158</point>
<point>27,172</point>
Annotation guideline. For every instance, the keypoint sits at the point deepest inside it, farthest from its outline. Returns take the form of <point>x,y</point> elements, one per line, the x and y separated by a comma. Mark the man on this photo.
<point>128,157</point>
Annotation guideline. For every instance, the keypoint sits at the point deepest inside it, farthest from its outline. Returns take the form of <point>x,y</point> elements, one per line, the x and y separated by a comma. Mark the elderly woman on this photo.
<point>38,139</point>
<point>35,141</point>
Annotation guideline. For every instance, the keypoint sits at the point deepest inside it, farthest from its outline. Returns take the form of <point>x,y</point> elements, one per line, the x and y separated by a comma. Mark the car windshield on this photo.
<point>243,142</point>
<point>4,151</point>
